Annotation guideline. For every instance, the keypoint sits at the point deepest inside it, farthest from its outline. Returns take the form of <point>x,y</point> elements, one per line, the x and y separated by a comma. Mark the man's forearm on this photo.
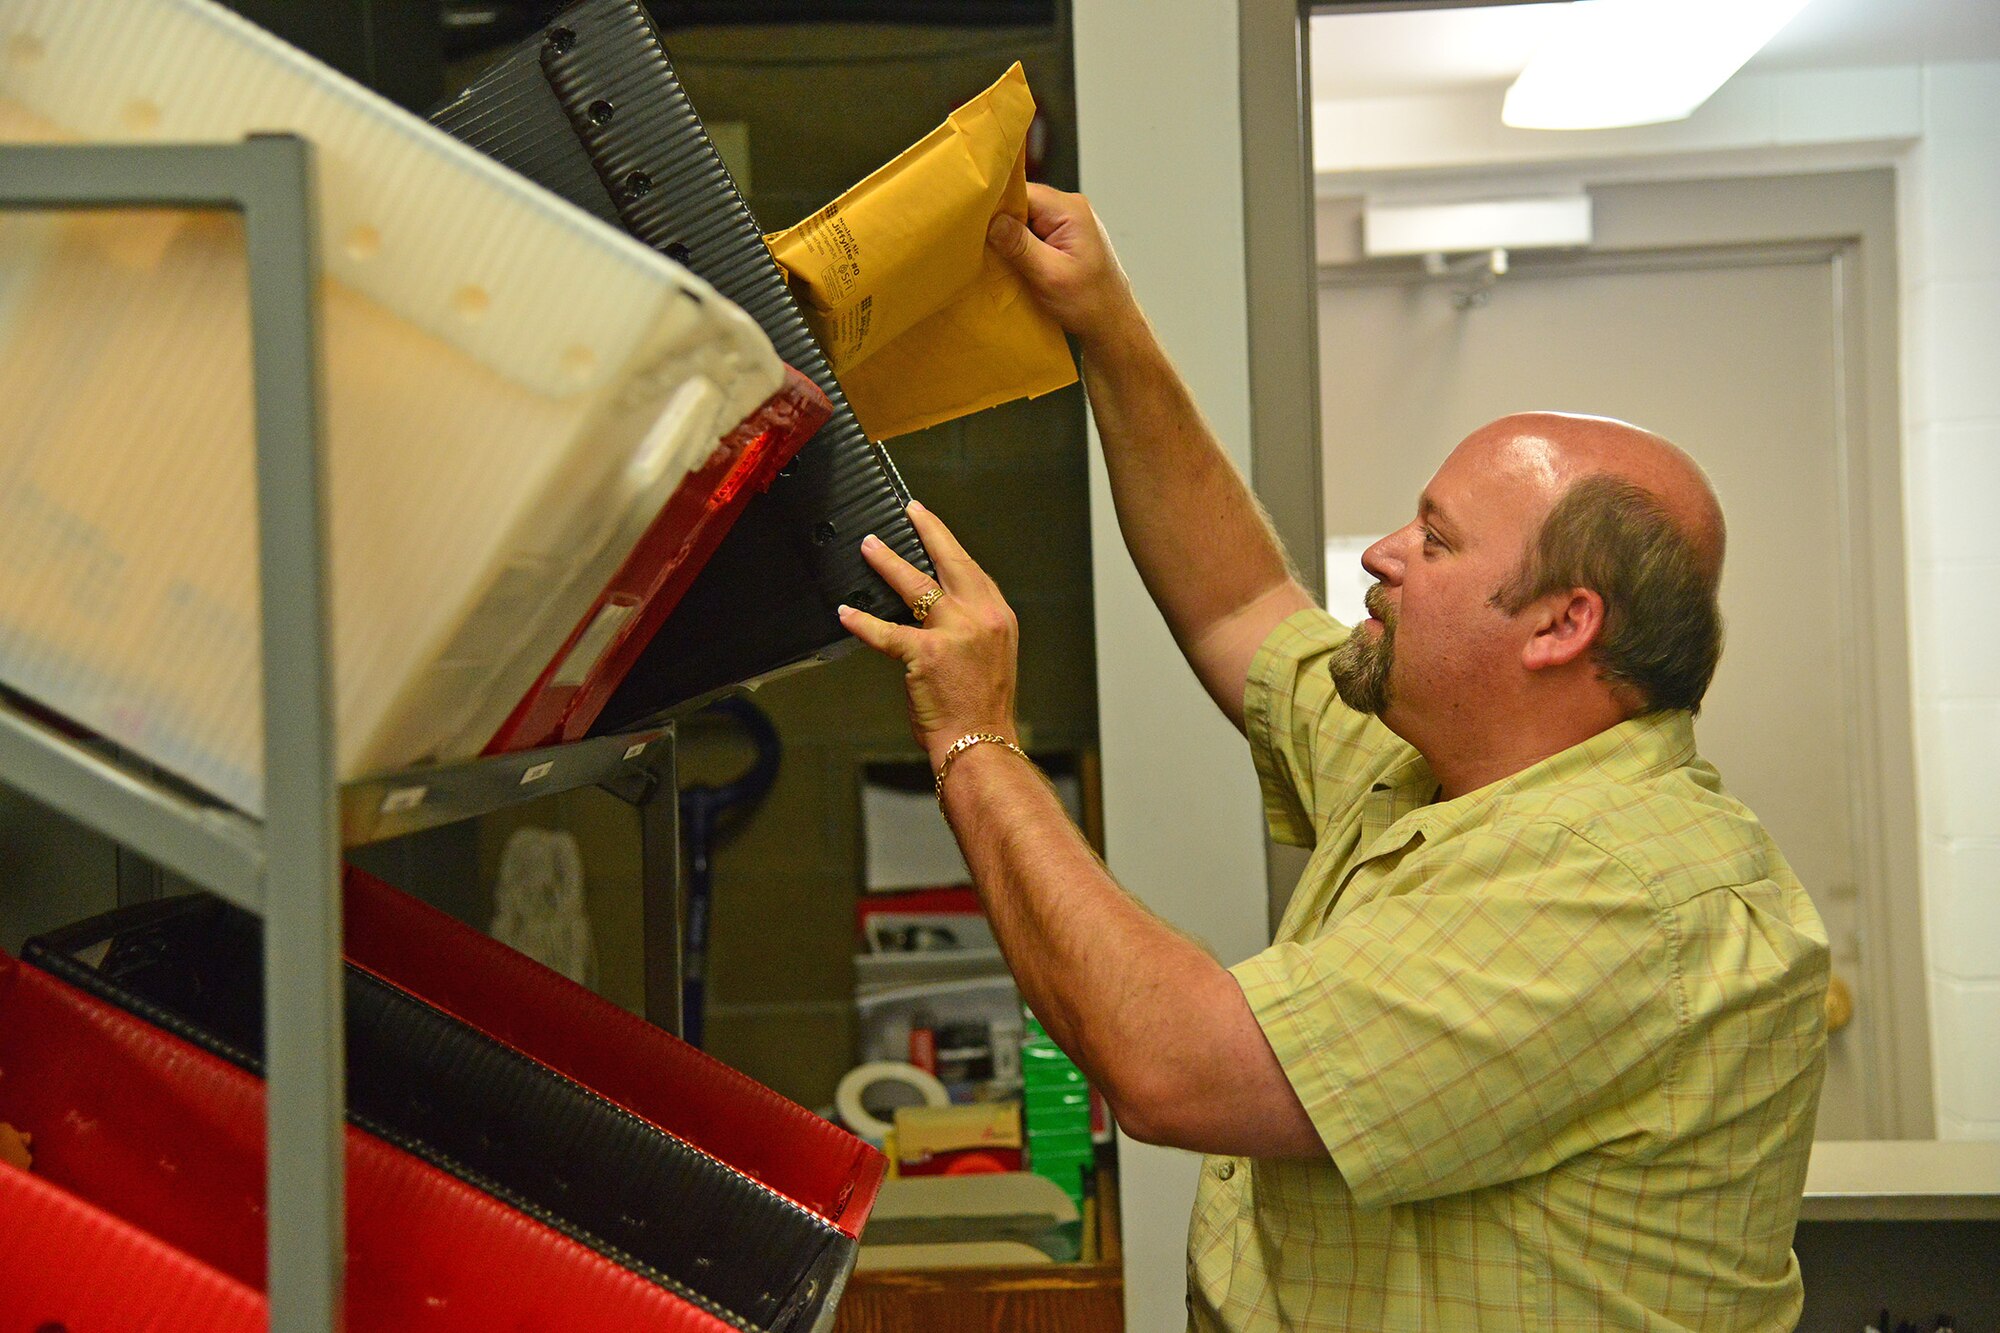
<point>1154,1021</point>
<point>1159,1025</point>
<point>1202,543</point>
<point>1098,969</point>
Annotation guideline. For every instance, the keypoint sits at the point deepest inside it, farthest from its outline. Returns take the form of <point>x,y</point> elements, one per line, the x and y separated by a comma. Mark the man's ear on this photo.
<point>1567,625</point>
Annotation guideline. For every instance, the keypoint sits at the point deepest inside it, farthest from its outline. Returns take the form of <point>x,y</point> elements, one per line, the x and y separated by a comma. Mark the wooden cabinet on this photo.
<point>1041,1298</point>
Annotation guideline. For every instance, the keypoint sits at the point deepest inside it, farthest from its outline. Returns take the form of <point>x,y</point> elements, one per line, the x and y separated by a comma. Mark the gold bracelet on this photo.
<point>966,742</point>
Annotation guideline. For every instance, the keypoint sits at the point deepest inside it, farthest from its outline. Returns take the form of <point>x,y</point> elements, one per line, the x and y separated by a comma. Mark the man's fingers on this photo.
<point>950,558</point>
<point>1044,201</point>
<point>1033,258</point>
<point>888,639</point>
<point>1007,235</point>
<point>909,582</point>
<point>1064,259</point>
<point>1050,211</point>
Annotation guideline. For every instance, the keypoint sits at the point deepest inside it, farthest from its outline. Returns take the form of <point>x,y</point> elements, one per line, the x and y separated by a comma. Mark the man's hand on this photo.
<point>959,663</point>
<point>1066,260</point>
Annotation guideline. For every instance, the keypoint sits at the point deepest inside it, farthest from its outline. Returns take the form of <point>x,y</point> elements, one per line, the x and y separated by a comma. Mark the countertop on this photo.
<point>1896,1180</point>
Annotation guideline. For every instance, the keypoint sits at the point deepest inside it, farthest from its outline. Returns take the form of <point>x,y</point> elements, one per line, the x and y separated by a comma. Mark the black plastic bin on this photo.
<point>592,110</point>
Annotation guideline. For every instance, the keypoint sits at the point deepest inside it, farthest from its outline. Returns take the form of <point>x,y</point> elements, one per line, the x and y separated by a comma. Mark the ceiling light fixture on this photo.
<point>1639,62</point>
<point>1475,226</point>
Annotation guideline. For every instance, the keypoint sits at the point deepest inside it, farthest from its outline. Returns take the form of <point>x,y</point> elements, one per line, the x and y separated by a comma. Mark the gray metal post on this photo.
<point>269,179</point>
<point>304,1033</point>
<point>660,888</point>
<point>138,877</point>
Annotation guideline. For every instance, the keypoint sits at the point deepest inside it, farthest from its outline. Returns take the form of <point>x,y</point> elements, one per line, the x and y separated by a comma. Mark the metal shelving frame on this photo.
<point>286,867</point>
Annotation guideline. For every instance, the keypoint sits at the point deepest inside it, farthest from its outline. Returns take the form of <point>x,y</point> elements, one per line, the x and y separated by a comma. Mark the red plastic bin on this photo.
<point>573,689</point>
<point>152,1151</point>
<point>617,1055</point>
<point>67,1264</point>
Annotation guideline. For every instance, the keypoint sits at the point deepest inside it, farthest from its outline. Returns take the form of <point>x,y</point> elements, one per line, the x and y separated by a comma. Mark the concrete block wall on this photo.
<point>808,110</point>
<point>1950,200</point>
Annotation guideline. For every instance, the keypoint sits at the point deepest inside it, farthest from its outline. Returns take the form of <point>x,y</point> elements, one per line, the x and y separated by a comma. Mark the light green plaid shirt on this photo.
<point>1563,1038</point>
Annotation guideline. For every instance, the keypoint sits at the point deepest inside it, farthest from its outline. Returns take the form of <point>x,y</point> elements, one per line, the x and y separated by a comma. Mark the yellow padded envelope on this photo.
<point>921,322</point>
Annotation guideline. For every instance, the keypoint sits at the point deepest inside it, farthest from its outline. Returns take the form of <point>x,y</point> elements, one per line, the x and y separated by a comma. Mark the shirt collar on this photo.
<point>1635,749</point>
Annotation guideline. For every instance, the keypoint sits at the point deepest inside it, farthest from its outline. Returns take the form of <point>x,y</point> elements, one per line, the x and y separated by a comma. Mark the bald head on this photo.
<point>1624,514</point>
<point>1558,449</point>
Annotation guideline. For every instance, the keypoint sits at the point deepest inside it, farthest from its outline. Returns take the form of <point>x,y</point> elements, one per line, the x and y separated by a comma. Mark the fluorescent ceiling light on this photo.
<point>1639,62</point>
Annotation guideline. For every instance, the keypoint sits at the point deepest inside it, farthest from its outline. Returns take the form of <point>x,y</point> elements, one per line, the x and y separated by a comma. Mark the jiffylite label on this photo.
<point>829,239</point>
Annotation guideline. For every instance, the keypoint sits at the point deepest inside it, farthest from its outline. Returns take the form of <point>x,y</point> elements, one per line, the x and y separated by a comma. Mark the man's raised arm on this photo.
<point>1203,544</point>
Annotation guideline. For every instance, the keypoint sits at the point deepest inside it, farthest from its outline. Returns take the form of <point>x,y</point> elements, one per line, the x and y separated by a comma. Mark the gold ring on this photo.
<point>926,602</point>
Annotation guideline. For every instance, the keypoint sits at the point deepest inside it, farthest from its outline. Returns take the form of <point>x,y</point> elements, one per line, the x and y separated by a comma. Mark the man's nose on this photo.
<point>1384,559</point>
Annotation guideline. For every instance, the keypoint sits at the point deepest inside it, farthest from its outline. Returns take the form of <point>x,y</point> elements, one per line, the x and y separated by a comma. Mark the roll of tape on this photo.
<point>848,1097</point>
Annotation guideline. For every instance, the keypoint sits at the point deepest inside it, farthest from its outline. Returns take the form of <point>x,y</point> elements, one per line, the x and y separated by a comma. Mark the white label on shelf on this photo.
<point>399,799</point>
<point>592,645</point>
<point>538,772</point>
<point>634,751</point>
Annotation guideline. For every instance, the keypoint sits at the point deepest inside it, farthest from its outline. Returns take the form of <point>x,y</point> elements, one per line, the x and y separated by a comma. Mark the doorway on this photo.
<point>1744,336</point>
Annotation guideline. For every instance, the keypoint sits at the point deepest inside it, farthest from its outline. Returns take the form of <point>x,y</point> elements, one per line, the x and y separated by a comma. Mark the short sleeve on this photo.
<point>1294,720</point>
<point>1520,1008</point>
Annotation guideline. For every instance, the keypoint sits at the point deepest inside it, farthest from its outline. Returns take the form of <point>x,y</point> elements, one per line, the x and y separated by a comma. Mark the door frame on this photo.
<point>1846,219</point>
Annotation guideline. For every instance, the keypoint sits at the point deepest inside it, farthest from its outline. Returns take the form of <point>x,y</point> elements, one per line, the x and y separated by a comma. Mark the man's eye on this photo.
<point>1431,540</point>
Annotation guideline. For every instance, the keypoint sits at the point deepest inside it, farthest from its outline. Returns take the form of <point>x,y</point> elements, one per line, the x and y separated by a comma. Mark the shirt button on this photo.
<point>1224,1170</point>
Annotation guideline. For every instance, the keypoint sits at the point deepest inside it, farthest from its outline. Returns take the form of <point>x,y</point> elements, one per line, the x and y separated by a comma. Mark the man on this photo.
<point>1541,1037</point>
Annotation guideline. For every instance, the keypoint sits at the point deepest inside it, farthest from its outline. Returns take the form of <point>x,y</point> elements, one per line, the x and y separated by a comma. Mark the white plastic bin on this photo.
<point>512,390</point>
